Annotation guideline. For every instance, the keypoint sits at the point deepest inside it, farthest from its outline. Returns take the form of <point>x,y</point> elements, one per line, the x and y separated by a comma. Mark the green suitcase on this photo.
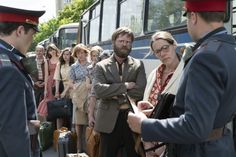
<point>45,135</point>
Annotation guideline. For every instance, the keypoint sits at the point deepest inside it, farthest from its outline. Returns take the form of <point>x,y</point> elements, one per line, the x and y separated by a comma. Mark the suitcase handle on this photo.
<point>63,129</point>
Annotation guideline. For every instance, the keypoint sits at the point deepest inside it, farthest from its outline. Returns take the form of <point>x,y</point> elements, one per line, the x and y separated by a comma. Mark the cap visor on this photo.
<point>185,14</point>
<point>36,28</point>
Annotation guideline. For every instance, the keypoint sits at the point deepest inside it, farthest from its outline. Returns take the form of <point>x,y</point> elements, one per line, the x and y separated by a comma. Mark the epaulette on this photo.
<point>4,60</point>
<point>211,45</point>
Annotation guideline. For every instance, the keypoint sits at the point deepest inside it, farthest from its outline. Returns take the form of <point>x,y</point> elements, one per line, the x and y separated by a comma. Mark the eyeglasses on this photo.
<point>164,48</point>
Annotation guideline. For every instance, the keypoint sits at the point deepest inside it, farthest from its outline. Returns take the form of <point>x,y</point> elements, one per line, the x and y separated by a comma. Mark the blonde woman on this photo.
<point>79,94</point>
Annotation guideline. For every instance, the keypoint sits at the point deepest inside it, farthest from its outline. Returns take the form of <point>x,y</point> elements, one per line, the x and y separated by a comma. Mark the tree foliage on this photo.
<point>70,13</point>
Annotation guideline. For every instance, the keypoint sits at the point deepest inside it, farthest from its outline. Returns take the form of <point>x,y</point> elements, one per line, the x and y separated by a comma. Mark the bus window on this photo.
<point>163,14</point>
<point>67,36</point>
<point>84,25</point>
<point>131,15</point>
<point>108,19</point>
<point>234,18</point>
<point>94,25</point>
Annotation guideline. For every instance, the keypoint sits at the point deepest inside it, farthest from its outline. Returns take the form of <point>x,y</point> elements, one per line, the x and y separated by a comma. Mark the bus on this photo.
<point>144,17</point>
<point>45,42</point>
<point>66,35</point>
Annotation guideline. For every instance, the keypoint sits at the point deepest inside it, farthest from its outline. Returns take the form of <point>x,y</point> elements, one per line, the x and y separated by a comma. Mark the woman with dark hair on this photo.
<point>52,56</point>
<point>62,74</point>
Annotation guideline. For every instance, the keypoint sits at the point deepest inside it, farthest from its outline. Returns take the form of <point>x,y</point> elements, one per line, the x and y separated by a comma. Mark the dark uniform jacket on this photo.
<point>107,84</point>
<point>205,101</point>
<point>17,104</point>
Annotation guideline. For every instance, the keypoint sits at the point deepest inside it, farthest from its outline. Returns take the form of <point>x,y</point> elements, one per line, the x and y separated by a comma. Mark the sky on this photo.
<point>48,5</point>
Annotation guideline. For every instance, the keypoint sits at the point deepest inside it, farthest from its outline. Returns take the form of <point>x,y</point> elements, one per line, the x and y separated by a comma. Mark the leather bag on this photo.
<point>163,109</point>
<point>92,142</point>
<point>59,108</point>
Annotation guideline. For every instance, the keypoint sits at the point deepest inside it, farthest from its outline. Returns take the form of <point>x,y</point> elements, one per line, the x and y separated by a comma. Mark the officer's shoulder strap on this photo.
<point>12,58</point>
<point>4,59</point>
<point>214,43</point>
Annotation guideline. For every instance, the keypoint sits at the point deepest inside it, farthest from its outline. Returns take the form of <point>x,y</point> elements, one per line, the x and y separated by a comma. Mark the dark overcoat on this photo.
<point>17,104</point>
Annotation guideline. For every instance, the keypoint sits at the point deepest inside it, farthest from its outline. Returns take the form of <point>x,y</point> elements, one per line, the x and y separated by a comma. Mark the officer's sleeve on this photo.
<point>205,85</point>
<point>14,137</point>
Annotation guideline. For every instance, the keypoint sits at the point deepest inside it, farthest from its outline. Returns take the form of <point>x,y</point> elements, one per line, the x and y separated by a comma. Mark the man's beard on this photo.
<point>122,52</point>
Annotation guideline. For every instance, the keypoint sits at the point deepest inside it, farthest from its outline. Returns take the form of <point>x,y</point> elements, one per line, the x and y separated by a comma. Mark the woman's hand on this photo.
<point>91,120</point>
<point>145,107</point>
<point>41,84</point>
<point>63,94</point>
<point>57,95</point>
<point>91,106</point>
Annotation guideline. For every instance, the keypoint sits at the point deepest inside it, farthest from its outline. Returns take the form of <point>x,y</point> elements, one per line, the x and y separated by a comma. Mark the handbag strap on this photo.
<point>60,72</point>
<point>155,147</point>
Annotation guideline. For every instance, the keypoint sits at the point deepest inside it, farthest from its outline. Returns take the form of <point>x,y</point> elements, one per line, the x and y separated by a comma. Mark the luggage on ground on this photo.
<point>77,155</point>
<point>66,144</point>
<point>56,135</point>
<point>45,135</point>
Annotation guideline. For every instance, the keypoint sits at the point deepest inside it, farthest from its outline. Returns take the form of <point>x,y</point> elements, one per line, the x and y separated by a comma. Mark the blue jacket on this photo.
<point>205,101</point>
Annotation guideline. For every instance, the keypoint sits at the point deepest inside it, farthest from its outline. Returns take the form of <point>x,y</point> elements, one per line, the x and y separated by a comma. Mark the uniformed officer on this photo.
<point>17,102</point>
<point>205,101</point>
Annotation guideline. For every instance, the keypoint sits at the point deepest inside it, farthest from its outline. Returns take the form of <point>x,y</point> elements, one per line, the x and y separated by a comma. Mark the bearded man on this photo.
<point>116,78</point>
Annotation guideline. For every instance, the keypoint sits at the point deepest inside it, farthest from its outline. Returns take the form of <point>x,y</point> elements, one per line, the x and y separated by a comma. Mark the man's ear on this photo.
<point>194,17</point>
<point>20,29</point>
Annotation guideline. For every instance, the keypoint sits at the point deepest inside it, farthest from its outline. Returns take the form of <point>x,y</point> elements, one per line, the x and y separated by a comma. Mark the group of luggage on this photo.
<point>63,140</point>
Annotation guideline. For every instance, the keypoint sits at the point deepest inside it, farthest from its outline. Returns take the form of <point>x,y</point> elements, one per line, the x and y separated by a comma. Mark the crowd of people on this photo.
<point>110,92</point>
<point>75,67</point>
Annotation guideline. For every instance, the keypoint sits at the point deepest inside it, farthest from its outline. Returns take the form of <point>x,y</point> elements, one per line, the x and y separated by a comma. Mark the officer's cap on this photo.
<point>204,6</point>
<point>9,14</point>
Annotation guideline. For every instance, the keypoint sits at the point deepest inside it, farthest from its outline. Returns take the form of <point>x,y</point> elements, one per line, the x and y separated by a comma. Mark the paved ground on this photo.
<point>50,153</point>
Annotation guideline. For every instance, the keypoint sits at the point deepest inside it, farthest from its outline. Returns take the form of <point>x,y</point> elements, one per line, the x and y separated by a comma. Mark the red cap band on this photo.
<point>12,17</point>
<point>205,5</point>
